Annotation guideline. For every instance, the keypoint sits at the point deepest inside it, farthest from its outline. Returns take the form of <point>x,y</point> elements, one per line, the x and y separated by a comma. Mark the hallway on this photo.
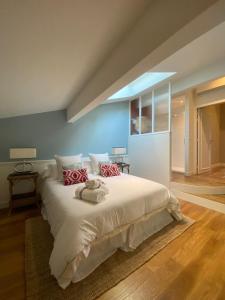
<point>215,177</point>
<point>209,186</point>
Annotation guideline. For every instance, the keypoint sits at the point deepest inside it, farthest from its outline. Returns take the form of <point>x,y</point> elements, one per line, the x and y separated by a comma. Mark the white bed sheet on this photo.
<point>127,239</point>
<point>76,224</point>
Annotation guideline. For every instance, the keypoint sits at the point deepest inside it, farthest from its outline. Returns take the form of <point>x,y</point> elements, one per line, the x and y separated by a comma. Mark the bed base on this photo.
<point>126,240</point>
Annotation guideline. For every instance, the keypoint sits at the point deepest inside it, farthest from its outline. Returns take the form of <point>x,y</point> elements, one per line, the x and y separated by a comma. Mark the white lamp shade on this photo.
<point>22,153</point>
<point>119,150</point>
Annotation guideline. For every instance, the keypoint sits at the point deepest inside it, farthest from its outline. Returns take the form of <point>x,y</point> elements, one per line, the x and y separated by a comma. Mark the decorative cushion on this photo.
<point>66,160</point>
<point>108,170</point>
<point>75,176</point>
<point>96,159</point>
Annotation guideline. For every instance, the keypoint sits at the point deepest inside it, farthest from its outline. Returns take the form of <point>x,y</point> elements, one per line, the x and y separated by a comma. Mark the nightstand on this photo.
<point>123,166</point>
<point>22,199</point>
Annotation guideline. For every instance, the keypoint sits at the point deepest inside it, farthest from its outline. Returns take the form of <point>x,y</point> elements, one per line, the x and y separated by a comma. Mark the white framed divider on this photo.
<point>150,153</point>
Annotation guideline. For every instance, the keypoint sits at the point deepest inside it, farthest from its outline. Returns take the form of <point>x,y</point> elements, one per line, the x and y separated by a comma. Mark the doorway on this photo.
<point>210,145</point>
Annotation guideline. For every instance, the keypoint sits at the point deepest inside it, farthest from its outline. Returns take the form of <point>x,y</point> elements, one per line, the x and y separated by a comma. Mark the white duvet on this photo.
<point>76,224</point>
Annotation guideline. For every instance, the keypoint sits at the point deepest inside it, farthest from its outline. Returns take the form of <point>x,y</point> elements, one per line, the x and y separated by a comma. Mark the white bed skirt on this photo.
<point>127,239</point>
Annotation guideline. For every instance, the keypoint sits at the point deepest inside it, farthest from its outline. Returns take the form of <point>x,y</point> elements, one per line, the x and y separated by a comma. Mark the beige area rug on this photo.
<point>41,285</point>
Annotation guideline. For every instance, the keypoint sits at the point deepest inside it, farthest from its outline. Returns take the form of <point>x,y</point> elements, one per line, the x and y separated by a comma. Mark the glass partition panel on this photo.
<point>161,108</point>
<point>146,113</point>
<point>134,117</point>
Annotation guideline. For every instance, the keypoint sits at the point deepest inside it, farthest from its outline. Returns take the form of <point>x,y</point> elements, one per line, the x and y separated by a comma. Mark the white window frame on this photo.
<point>153,112</point>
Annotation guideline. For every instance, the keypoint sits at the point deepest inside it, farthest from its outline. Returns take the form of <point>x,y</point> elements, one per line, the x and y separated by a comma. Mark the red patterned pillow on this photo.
<point>108,170</point>
<point>75,176</point>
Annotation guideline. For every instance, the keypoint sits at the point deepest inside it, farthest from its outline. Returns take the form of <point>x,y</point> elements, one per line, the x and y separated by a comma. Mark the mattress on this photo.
<point>76,225</point>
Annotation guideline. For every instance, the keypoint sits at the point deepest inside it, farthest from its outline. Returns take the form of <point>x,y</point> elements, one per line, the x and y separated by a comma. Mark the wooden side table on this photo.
<point>22,199</point>
<point>122,166</point>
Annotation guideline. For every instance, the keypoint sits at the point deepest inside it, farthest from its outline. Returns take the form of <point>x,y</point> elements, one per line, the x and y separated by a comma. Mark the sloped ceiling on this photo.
<point>50,48</point>
<point>205,50</point>
<point>164,28</point>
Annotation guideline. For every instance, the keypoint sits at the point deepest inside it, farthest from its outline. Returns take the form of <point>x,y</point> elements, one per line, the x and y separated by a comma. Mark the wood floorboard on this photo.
<point>216,177</point>
<point>216,198</point>
<point>12,235</point>
<point>191,267</point>
<point>186,268</point>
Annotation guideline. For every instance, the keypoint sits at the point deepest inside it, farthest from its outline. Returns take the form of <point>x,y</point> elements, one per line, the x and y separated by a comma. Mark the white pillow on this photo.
<point>96,159</point>
<point>87,165</point>
<point>53,171</point>
<point>50,171</point>
<point>65,161</point>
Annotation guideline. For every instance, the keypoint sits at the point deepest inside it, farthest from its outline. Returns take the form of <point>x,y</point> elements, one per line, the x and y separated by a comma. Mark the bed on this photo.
<point>86,234</point>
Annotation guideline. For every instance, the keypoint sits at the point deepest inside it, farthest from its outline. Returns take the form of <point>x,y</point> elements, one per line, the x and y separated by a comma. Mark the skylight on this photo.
<point>140,84</point>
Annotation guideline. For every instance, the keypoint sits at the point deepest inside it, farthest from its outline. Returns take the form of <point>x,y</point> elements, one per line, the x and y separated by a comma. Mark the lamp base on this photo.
<point>24,167</point>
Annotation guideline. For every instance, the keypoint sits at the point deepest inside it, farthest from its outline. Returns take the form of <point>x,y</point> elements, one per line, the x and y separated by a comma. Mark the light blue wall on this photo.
<point>96,132</point>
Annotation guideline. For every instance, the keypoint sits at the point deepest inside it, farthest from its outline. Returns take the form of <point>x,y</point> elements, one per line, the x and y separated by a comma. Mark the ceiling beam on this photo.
<point>203,76</point>
<point>166,27</point>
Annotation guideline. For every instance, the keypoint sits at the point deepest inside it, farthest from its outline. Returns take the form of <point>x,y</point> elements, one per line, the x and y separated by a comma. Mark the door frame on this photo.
<point>171,133</point>
<point>198,107</point>
<point>200,168</point>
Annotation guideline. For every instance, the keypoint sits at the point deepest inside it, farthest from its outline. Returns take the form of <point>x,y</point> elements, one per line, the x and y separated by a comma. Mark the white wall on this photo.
<point>149,156</point>
<point>178,148</point>
<point>211,97</point>
<point>190,134</point>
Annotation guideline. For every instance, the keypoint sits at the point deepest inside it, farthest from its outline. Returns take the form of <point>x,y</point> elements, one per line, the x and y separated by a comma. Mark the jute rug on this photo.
<point>41,285</point>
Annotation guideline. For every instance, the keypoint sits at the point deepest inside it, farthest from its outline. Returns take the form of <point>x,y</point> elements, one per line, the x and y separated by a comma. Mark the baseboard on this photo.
<point>190,173</point>
<point>177,169</point>
<point>217,165</point>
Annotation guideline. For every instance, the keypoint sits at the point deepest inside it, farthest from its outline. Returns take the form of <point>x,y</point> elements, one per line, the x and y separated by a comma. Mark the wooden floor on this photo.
<point>216,177</point>
<point>217,198</point>
<point>12,235</point>
<point>190,267</point>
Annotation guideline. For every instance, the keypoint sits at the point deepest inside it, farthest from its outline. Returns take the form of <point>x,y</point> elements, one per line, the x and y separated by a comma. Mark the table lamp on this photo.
<point>119,152</point>
<point>23,153</point>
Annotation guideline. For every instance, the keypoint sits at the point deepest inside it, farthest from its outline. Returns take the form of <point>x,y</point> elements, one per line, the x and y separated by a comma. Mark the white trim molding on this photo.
<point>198,189</point>
<point>178,170</point>
<point>217,206</point>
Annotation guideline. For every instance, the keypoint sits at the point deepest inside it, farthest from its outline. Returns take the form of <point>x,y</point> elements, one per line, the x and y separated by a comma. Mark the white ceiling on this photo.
<point>50,49</point>
<point>205,50</point>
